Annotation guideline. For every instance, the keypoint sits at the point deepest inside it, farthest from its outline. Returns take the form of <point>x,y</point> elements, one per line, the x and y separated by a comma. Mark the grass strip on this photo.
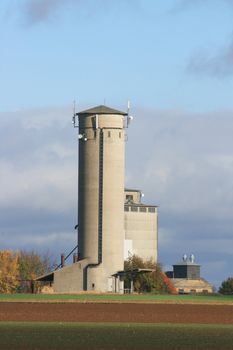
<point>118,298</point>
<point>14,335</point>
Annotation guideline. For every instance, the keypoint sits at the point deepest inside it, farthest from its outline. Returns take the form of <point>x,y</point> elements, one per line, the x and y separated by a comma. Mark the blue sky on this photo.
<point>157,53</point>
<point>174,60</point>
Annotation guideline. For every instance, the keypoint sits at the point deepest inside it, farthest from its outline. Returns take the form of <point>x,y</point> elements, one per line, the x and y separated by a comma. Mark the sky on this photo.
<point>173,60</point>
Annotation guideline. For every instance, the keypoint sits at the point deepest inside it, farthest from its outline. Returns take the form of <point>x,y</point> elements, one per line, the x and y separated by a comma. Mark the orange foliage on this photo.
<point>170,287</point>
<point>9,271</point>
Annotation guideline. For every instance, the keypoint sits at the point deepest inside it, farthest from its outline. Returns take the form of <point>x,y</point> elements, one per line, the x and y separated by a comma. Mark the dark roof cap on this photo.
<point>101,110</point>
<point>185,263</point>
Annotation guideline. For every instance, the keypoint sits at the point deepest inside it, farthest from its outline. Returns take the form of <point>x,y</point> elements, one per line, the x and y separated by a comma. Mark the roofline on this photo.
<point>141,205</point>
<point>138,270</point>
<point>132,190</point>
<point>103,110</point>
<point>42,277</point>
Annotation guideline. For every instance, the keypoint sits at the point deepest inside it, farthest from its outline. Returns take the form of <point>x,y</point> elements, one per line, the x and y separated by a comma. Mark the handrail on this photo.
<point>67,257</point>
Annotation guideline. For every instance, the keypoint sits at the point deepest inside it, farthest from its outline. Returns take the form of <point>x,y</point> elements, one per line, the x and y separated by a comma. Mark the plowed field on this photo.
<point>101,312</point>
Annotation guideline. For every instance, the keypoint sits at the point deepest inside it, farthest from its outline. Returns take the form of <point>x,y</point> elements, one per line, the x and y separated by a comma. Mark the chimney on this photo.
<point>75,258</point>
<point>62,260</point>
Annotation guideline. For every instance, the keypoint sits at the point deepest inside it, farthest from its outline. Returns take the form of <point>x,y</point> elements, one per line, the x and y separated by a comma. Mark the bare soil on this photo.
<point>107,312</point>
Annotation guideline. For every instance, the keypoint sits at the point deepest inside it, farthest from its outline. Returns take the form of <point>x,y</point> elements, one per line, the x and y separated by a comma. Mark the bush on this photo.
<point>32,265</point>
<point>227,286</point>
<point>155,282</point>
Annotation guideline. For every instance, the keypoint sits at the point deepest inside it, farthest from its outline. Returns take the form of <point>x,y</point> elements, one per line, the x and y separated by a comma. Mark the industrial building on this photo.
<point>141,227</point>
<point>186,277</point>
<point>111,221</point>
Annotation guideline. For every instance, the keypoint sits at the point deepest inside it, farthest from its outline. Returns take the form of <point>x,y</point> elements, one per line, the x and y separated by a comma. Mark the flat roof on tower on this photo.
<point>101,110</point>
<point>131,190</point>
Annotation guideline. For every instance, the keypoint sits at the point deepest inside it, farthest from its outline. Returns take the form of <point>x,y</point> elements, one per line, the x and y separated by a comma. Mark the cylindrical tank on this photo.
<point>101,195</point>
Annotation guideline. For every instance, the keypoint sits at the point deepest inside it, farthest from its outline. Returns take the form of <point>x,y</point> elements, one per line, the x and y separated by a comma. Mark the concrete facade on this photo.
<point>101,196</point>
<point>69,279</point>
<point>141,227</point>
<point>111,223</point>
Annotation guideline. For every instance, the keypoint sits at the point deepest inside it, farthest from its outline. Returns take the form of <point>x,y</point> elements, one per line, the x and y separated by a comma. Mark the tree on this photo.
<point>9,271</point>
<point>155,281</point>
<point>19,269</point>
<point>227,286</point>
<point>32,265</point>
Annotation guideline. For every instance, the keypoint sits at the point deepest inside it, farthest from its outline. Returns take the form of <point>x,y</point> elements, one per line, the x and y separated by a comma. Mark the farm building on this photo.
<point>186,277</point>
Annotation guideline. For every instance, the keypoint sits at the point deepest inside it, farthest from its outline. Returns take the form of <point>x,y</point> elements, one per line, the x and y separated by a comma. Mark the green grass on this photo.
<point>14,335</point>
<point>117,297</point>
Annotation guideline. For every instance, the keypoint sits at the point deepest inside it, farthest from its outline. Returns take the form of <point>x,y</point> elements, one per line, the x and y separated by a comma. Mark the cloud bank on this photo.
<point>182,161</point>
<point>185,165</point>
<point>38,161</point>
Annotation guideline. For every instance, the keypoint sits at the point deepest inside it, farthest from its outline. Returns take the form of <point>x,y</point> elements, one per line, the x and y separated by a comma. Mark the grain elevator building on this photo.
<point>141,227</point>
<point>104,228</point>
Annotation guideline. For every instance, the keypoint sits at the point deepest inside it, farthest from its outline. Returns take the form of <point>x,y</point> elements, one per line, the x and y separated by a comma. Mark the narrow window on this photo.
<point>134,208</point>
<point>109,133</point>
<point>119,135</point>
<point>129,198</point>
<point>142,209</point>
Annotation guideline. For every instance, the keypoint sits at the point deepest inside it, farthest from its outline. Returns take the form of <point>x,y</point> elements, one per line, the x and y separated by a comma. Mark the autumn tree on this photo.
<point>32,265</point>
<point>9,271</point>
<point>155,281</point>
<point>227,286</point>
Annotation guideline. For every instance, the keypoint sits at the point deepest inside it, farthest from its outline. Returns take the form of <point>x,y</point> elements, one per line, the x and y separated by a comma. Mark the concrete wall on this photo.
<point>69,279</point>
<point>200,285</point>
<point>101,211</point>
<point>102,225</point>
<point>134,194</point>
<point>141,233</point>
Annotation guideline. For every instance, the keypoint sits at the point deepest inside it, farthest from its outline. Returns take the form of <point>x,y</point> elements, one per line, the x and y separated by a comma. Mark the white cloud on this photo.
<point>38,160</point>
<point>182,161</point>
<point>185,163</point>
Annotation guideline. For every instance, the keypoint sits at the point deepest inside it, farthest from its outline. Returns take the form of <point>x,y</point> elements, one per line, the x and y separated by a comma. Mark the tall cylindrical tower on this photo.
<point>101,195</point>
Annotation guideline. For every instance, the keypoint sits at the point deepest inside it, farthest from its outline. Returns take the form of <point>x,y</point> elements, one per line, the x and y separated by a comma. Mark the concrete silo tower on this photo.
<point>101,196</point>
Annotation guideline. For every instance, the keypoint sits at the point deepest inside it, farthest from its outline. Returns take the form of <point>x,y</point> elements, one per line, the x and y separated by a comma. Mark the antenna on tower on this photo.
<point>74,115</point>
<point>129,117</point>
<point>128,107</point>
